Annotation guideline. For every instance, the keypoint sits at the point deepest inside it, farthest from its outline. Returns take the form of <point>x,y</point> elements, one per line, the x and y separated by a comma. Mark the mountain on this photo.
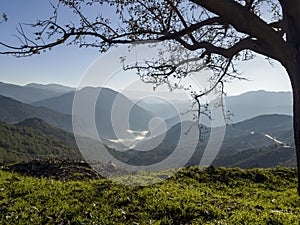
<point>26,94</point>
<point>263,141</point>
<point>251,141</point>
<point>244,106</point>
<point>25,142</point>
<point>48,130</point>
<point>266,123</point>
<point>271,156</point>
<point>138,118</point>
<point>255,103</point>
<point>13,111</point>
<point>89,148</point>
<point>257,132</point>
<point>60,89</point>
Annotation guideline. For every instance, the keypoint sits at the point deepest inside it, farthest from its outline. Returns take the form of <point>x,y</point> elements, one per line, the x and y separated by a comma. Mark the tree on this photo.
<point>215,33</point>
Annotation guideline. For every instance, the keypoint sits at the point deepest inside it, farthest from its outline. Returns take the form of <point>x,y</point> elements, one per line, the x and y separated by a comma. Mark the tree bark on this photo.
<point>293,69</point>
<point>296,117</point>
<point>291,61</point>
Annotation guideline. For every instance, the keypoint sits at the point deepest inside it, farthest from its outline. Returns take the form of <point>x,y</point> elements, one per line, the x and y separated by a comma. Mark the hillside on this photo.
<point>263,141</point>
<point>192,196</point>
<point>21,143</point>
<point>256,132</point>
<point>48,130</point>
<point>13,111</point>
<point>267,157</point>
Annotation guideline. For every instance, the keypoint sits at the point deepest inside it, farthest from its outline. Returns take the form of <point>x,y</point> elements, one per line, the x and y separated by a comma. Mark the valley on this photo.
<point>248,143</point>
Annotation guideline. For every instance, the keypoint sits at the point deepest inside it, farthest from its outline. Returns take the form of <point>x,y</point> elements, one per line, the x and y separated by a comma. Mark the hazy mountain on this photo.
<point>138,119</point>
<point>58,88</point>
<point>163,110</point>
<point>254,103</point>
<point>26,94</point>
<point>246,143</point>
<point>24,142</point>
<point>13,111</point>
<point>244,106</point>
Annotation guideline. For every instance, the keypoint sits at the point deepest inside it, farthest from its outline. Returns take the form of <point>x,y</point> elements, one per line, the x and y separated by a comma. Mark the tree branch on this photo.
<point>246,22</point>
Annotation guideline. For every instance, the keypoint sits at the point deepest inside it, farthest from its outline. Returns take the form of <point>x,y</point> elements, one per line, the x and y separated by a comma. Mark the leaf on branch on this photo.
<point>4,17</point>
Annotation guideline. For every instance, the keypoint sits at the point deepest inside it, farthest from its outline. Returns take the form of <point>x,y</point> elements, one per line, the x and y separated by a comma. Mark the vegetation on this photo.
<point>192,196</point>
<point>198,34</point>
<point>13,111</point>
<point>19,143</point>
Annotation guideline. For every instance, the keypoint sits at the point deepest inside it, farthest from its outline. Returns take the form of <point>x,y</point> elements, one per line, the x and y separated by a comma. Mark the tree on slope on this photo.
<point>215,33</point>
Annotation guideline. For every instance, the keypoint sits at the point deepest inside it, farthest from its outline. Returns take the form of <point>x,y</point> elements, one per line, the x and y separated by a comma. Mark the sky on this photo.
<point>67,64</point>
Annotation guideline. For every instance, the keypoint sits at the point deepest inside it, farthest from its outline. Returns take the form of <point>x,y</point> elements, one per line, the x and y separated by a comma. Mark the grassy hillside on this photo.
<point>20,142</point>
<point>192,196</point>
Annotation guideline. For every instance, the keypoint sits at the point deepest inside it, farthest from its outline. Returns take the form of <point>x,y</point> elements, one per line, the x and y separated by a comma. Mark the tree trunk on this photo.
<point>295,81</point>
<point>291,61</point>
<point>296,122</point>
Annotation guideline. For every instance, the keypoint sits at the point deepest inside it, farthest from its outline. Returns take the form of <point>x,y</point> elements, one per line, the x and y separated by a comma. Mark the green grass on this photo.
<point>192,196</point>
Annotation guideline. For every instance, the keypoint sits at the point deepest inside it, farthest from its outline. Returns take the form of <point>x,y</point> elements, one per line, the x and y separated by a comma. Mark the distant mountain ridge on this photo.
<point>13,111</point>
<point>27,94</point>
<point>51,87</point>
<point>255,103</point>
<point>139,118</point>
<point>243,106</point>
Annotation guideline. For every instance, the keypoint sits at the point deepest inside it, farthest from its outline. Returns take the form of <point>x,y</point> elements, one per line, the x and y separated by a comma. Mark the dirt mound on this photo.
<point>61,169</point>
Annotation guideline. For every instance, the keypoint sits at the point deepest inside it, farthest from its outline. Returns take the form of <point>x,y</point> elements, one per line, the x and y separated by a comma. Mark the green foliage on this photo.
<point>19,143</point>
<point>192,196</point>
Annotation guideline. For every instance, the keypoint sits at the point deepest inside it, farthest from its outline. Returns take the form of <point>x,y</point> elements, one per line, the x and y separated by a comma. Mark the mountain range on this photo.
<point>60,98</point>
<point>13,111</point>
<point>58,88</point>
<point>245,144</point>
<point>255,103</point>
<point>32,92</point>
<point>242,107</point>
<point>107,99</point>
<point>253,138</point>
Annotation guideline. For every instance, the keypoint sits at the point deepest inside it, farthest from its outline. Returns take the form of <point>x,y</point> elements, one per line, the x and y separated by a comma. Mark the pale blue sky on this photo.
<point>66,65</point>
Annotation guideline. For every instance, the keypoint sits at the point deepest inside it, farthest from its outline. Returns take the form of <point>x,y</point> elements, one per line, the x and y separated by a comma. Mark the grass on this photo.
<point>192,196</point>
